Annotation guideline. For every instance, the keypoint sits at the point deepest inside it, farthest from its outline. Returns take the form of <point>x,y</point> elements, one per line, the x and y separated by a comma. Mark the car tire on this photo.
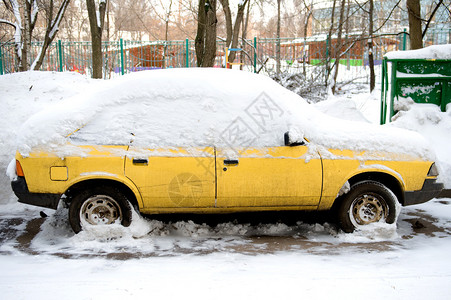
<point>367,202</point>
<point>102,205</point>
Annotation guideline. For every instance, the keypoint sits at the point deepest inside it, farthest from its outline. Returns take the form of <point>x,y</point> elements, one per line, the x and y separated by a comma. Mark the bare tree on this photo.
<point>53,22</point>
<point>329,44</point>
<point>20,27</point>
<point>245,21</point>
<point>168,14</point>
<point>339,45</point>
<point>370,46</point>
<point>96,23</point>
<point>74,24</point>
<point>432,15</point>
<point>233,30</point>
<point>25,15</point>
<point>278,38</point>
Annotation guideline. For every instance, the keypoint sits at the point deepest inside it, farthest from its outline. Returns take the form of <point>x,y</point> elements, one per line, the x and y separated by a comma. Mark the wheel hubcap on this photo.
<point>368,208</point>
<point>100,210</point>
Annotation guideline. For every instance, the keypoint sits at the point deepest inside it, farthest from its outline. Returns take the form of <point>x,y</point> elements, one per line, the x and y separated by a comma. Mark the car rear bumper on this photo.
<point>431,189</point>
<point>20,188</point>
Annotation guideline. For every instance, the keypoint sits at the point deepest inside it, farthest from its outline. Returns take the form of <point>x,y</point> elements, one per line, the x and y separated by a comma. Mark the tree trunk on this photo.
<point>233,30</point>
<point>244,26</point>
<point>329,45</point>
<point>278,39</point>
<point>25,37</point>
<point>200,37</point>
<point>370,48</point>
<point>306,24</point>
<point>166,33</point>
<point>206,33</point>
<point>210,36</point>
<point>339,45</point>
<point>236,29</point>
<point>228,18</point>
<point>246,22</point>
<point>96,35</point>
<point>413,9</point>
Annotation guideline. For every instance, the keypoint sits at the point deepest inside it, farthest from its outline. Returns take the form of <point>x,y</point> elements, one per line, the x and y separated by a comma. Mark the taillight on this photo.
<point>19,170</point>
<point>433,171</point>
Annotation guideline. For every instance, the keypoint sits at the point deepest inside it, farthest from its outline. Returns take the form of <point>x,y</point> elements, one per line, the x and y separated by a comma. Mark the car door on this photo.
<point>173,178</point>
<point>269,177</point>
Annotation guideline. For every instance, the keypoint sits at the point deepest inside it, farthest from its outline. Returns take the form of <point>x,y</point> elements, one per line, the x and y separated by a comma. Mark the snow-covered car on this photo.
<point>213,141</point>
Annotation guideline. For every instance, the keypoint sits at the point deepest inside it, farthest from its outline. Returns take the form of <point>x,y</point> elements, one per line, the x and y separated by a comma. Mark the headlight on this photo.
<point>433,171</point>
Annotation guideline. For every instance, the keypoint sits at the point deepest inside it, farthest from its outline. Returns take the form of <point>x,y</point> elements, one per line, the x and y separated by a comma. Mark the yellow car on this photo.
<point>178,141</point>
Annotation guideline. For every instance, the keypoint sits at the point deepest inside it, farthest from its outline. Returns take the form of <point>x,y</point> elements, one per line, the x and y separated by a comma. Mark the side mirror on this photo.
<point>293,138</point>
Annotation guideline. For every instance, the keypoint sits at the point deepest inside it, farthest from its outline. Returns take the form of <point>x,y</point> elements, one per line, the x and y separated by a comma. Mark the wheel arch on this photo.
<point>88,183</point>
<point>390,181</point>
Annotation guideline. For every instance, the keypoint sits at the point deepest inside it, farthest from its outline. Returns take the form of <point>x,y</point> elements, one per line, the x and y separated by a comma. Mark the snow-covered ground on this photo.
<point>228,260</point>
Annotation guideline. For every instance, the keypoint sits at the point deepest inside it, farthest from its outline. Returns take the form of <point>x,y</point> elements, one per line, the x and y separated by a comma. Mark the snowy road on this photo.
<point>42,258</point>
<point>29,233</point>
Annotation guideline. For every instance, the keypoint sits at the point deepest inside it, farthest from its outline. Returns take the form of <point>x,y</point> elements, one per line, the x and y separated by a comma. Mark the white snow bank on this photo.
<point>198,108</point>
<point>435,126</point>
<point>146,236</point>
<point>341,108</point>
<point>22,95</point>
<point>431,52</point>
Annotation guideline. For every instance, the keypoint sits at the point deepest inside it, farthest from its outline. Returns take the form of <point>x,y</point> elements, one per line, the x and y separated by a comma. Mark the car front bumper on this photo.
<point>431,189</point>
<point>47,200</point>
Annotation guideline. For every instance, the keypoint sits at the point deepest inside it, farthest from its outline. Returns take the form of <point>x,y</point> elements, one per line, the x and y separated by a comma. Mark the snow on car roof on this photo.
<point>200,107</point>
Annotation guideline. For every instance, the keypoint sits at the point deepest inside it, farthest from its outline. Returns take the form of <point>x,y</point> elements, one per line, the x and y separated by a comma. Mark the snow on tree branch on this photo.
<point>57,21</point>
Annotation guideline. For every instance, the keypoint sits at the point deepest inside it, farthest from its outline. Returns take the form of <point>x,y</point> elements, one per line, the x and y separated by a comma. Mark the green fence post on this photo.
<point>60,51</point>
<point>122,57</point>
<point>383,92</point>
<point>255,54</point>
<point>404,40</point>
<point>1,62</point>
<point>187,52</point>
<point>327,47</point>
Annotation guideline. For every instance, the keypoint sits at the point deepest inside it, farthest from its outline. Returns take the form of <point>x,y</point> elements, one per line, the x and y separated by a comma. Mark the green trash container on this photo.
<point>423,80</point>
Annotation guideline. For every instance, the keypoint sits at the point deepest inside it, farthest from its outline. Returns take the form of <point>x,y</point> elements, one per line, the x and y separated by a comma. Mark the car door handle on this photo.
<point>230,161</point>
<point>140,161</point>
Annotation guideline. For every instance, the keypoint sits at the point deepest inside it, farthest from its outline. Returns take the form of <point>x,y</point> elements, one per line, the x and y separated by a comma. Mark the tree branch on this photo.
<point>2,21</point>
<point>431,17</point>
<point>389,15</point>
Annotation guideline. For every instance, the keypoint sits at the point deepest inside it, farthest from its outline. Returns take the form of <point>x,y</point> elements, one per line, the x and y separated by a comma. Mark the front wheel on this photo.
<point>102,205</point>
<point>367,202</point>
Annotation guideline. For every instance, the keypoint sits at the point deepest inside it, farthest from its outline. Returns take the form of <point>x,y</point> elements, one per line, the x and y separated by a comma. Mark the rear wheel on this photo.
<point>367,202</point>
<point>103,205</point>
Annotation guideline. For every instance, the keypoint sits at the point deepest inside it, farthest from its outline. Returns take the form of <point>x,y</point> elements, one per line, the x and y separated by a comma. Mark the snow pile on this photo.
<point>435,125</point>
<point>198,108</point>
<point>22,95</point>
<point>431,52</point>
<point>145,236</point>
<point>341,108</point>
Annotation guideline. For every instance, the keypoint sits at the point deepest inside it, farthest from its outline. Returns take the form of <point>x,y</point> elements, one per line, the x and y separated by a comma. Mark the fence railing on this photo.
<point>289,55</point>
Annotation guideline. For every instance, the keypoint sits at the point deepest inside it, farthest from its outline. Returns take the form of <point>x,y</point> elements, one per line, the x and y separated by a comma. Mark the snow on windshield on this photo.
<point>202,107</point>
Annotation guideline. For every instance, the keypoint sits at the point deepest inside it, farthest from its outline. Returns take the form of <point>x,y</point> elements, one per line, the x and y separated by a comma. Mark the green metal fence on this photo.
<point>290,55</point>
